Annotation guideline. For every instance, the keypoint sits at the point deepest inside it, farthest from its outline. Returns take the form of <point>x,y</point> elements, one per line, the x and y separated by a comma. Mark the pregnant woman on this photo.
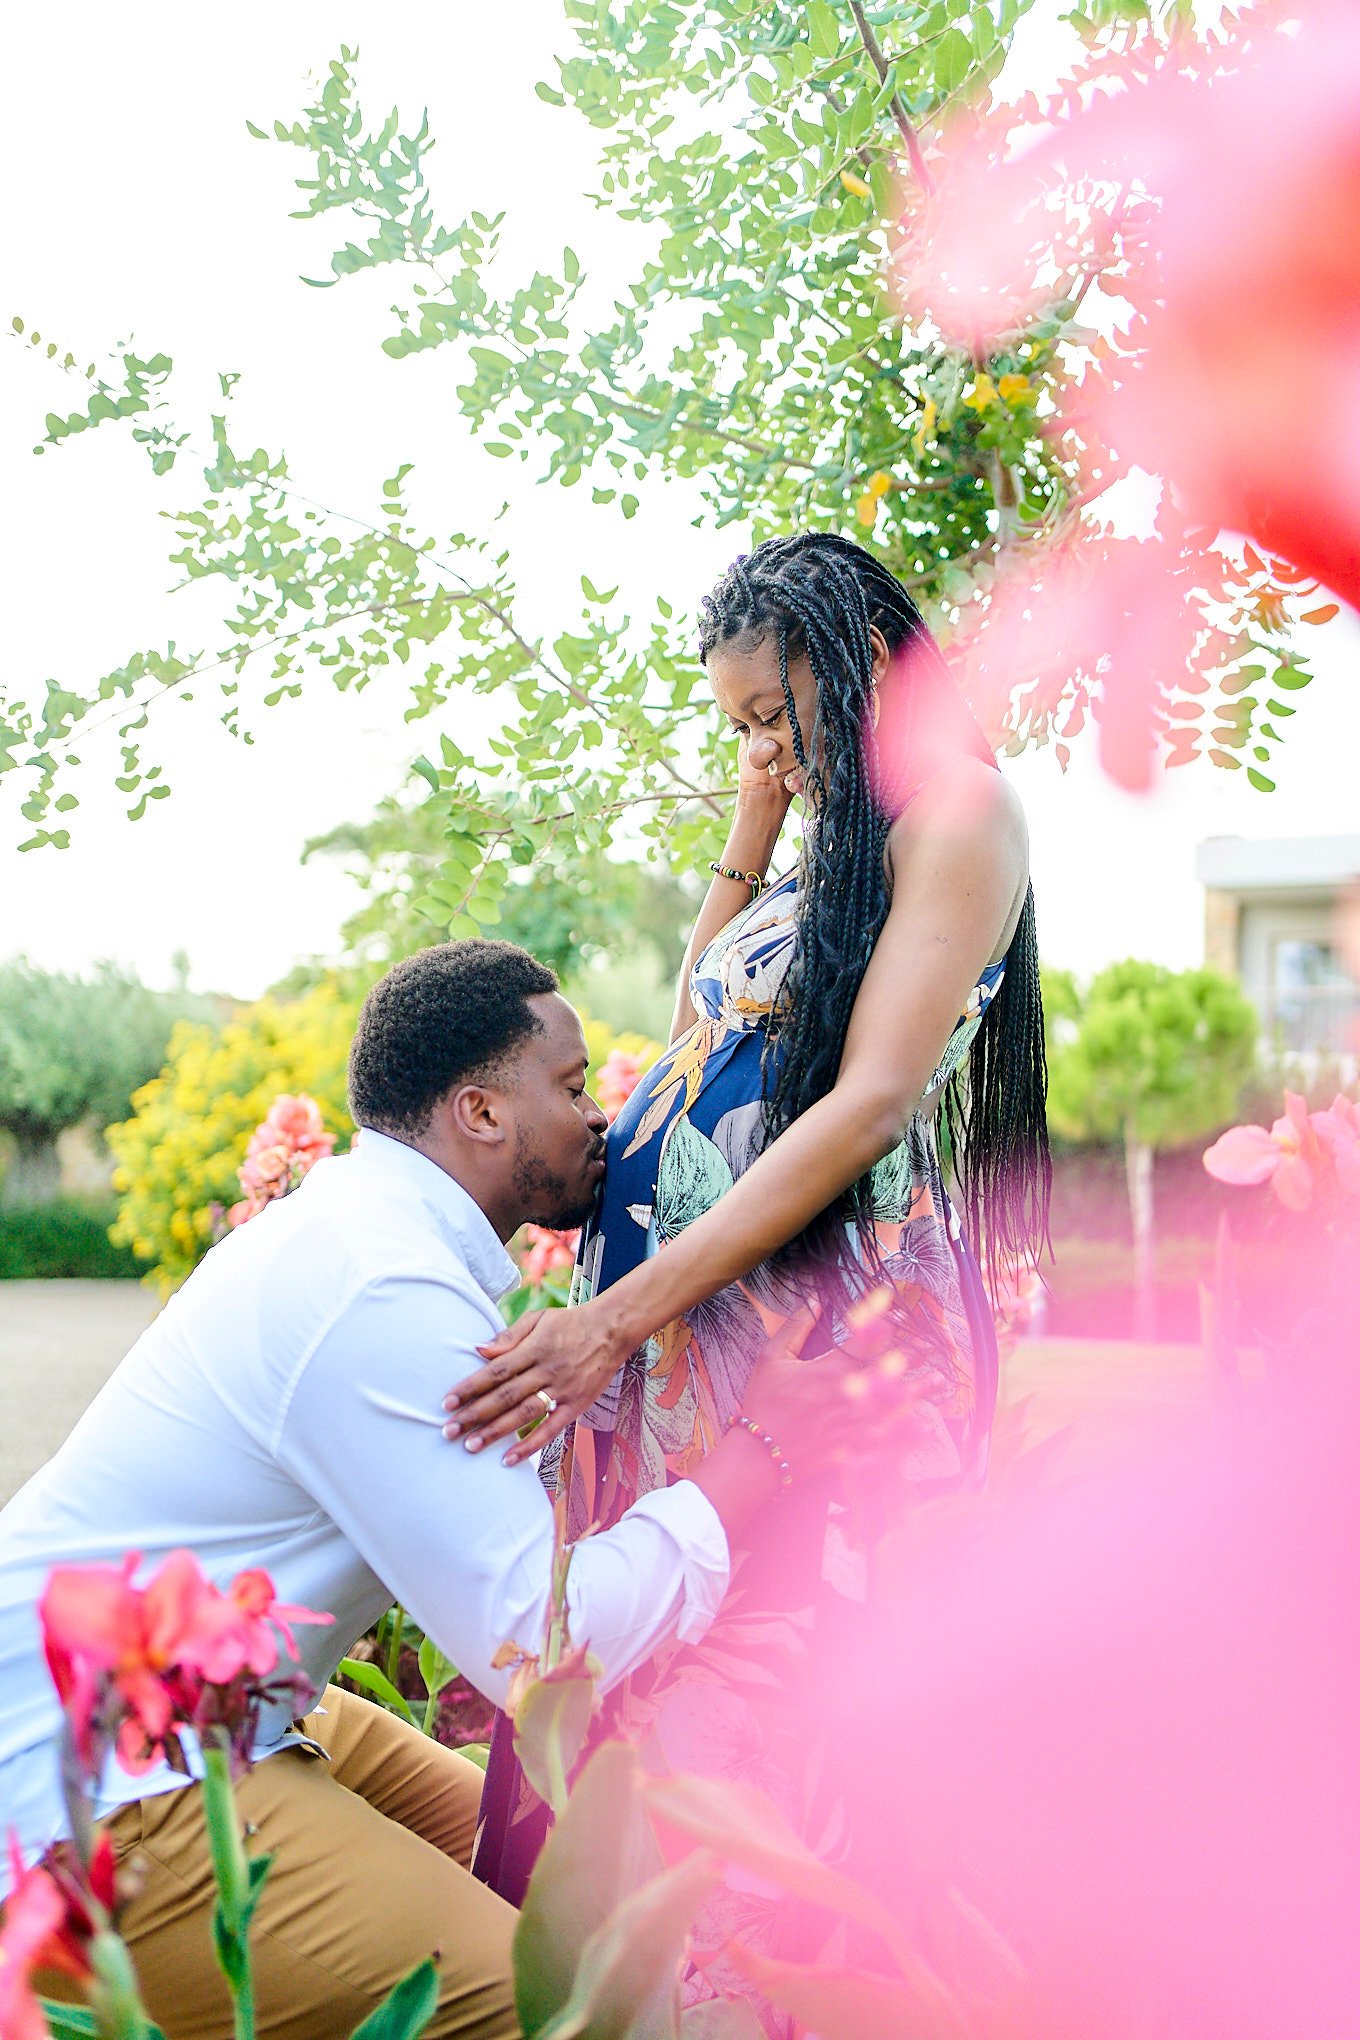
<point>787,1145</point>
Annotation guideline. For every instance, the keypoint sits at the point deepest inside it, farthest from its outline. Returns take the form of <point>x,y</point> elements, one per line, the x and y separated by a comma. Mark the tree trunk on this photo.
<point>1138,1175</point>
<point>34,1172</point>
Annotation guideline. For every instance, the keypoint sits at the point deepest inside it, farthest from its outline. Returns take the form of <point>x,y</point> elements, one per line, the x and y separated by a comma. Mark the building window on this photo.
<point>1312,999</point>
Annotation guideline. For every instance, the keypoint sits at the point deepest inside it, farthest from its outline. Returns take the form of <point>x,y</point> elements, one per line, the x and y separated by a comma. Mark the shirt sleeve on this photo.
<point>460,1539</point>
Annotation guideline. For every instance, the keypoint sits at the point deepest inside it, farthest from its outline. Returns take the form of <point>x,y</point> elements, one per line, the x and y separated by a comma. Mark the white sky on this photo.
<point>149,212</point>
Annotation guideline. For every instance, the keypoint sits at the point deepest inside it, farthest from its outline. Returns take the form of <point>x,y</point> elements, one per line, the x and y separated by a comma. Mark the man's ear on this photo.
<point>479,1113</point>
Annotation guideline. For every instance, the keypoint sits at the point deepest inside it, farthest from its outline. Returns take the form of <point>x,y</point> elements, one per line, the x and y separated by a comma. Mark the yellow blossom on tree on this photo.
<point>855,184</point>
<point>866,510</point>
<point>925,431</point>
<point>1016,390</point>
<point>982,395</point>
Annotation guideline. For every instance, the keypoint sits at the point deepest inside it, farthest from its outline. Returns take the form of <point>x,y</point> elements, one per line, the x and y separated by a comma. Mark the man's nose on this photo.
<point>595,1119</point>
<point>762,752</point>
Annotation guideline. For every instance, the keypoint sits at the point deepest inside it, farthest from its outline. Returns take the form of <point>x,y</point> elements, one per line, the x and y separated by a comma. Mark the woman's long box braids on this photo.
<point>821,594</point>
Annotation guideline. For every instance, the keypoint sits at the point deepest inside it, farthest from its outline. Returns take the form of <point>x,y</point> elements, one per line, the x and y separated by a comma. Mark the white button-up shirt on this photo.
<point>285,1410</point>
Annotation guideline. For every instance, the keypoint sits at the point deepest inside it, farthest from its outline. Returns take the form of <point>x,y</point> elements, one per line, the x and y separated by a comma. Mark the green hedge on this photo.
<point>69,1236</point>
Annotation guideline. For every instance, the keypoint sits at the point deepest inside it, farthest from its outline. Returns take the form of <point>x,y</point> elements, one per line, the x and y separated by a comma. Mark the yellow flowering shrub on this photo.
<point>178,1154</point>
<point>602,1042</point>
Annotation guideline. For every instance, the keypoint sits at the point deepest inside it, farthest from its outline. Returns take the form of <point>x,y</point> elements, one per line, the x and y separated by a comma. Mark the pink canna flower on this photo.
<point>137,1663</point>
<point>109,1645</point>
<point>238,1632</point>
<point>31,1938</point>
<point>1288,1157</point>
<point>1338,1128</point>
<point>55,1911</point>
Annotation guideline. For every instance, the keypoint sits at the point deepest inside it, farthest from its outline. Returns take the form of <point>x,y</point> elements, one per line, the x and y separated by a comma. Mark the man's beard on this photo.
<point>549,1199</point>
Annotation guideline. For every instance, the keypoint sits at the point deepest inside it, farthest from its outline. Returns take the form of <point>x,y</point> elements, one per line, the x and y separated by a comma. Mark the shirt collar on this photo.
<point>461,1219</point>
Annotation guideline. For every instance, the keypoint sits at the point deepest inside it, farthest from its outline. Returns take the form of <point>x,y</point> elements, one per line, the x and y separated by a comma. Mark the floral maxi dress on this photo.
<point>690,1129</point>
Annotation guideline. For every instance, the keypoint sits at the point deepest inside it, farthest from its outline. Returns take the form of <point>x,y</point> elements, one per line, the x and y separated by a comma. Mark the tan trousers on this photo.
<point>369,1876</point>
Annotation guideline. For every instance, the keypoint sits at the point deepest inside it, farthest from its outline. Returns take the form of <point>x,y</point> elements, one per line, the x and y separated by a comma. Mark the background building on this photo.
<point>1273,919</point>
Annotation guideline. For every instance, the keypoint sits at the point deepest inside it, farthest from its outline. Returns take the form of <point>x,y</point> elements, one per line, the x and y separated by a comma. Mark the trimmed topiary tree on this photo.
<point>1158,1059</point>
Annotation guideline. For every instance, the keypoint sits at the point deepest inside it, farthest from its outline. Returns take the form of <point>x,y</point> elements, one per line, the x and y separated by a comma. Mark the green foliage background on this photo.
<point>772,159</point>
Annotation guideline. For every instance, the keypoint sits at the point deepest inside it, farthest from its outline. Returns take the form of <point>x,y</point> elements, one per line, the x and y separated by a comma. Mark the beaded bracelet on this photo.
<point>738,1422</point>
<point>751,878</point>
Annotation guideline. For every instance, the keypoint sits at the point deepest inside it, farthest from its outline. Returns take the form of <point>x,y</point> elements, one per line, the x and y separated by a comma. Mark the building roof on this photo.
<point>1287,864</point>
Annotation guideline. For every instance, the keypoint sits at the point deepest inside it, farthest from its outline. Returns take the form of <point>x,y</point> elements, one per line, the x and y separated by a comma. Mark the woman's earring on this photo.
<point>873,708</point>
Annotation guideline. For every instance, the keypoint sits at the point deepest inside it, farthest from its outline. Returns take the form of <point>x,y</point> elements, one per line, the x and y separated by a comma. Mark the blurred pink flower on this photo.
<point>546,1252</point>
<point>51,1918</point>
<point>295,1123</point>
<point>618,1077</point>
<point>1338,1128</point>
<point>1108,612</point>
<point>1202,170</point>
<point>1287,1157</point>
<point>1244,396</point>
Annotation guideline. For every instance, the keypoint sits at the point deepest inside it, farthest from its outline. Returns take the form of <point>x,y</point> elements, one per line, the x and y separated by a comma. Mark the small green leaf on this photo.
<point>435,1669</point>
<point>1259,780</point>
<point>824,34</point>
<point>407,2009</point>
<point>551,1723</point>
<point>953,61</point>
<point>77,2022</point>
<point>378,1684</point>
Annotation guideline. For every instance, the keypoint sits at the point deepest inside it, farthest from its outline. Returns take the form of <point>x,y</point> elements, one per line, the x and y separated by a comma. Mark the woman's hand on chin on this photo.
<point>565,1356</point>
<point>763,796</point>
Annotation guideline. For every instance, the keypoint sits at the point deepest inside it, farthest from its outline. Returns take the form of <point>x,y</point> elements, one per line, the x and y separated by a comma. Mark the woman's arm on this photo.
<point>959,866</point>
<point>762,804</point>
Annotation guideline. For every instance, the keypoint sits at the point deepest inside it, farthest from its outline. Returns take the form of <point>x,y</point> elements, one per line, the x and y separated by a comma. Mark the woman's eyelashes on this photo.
<point>762,722</point>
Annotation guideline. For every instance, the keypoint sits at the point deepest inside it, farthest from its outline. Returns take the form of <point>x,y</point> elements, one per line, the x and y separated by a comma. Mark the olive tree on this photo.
<point>71,1049</point>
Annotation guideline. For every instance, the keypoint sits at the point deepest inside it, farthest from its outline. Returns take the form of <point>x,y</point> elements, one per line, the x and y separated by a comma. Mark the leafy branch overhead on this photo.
<point>774,164</point>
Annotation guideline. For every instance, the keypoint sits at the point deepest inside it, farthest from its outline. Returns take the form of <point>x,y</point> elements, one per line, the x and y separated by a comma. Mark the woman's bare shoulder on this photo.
<point>964,801</point>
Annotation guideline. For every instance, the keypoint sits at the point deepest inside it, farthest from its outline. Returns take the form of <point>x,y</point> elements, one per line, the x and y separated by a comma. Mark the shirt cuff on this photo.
<point>688,1517</point>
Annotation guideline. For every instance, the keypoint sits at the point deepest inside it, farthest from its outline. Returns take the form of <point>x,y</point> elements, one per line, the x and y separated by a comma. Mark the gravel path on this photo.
<point>59,1342</point>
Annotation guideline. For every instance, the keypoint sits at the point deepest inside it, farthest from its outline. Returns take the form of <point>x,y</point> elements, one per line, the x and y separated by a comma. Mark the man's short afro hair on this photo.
<point>445,1016</point>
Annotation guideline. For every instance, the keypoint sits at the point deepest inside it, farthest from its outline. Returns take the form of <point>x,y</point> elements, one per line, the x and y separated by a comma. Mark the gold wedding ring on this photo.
<point>546,1400</point>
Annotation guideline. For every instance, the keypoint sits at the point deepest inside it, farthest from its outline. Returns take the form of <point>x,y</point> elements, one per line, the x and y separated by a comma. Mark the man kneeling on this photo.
<point>285,1411</point>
